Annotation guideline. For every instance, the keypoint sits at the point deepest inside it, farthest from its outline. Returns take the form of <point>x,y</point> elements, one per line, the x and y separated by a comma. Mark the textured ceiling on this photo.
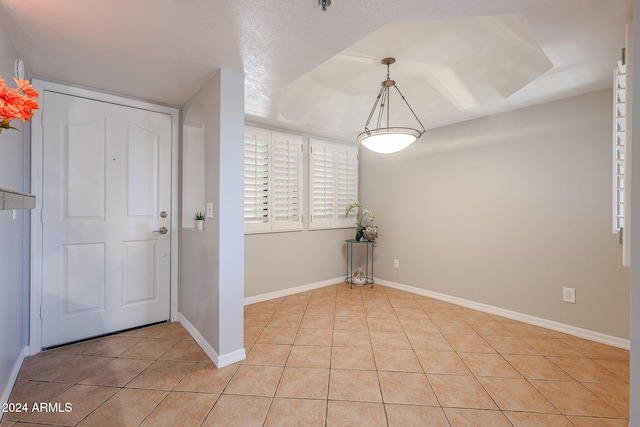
<point>446,69</point>
<point>319,72</point>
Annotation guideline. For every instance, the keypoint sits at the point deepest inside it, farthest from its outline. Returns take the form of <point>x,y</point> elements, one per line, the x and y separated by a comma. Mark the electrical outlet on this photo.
<point>569,295</point>
<point>396,263</point>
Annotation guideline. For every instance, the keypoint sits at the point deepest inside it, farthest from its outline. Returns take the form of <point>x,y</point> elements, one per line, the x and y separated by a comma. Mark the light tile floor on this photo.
<point>336,357</point>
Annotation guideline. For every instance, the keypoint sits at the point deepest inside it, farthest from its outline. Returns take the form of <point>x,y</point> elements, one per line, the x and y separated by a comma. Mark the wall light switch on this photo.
<point>210,210</point>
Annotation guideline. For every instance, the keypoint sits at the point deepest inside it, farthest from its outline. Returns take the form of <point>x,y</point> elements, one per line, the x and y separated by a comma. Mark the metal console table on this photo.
<point>368,273</point>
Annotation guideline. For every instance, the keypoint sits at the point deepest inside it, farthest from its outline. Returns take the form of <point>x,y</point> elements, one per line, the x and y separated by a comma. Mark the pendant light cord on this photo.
<point>411,109</point>
<point>383,99</point>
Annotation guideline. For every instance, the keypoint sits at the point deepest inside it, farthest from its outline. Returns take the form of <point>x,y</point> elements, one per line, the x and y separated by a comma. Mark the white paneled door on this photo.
<point>106,214</point>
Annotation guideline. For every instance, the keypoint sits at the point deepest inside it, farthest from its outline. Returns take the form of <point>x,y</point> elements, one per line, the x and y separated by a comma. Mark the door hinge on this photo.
<point>42,118</point>
<point>41,215</point>
<point>40,311</point>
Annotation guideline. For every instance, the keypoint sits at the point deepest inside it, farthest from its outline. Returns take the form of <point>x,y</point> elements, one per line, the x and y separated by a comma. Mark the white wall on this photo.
<point>505,211</point>
<point>14,237</point>
<point>193,174</point>
<point>212,261</point>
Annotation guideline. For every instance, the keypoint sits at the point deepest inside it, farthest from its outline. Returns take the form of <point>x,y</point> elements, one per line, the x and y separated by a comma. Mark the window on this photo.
<point>273,188</point>
<point>619,139</point>
<point>333,183</point>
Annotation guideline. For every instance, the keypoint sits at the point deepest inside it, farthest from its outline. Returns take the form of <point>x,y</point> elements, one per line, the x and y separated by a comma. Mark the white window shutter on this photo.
<point>286,182</point>
<point>257,209</point>
<point>322,209</point>
<point>274,184</point>
<point>619,145</point>
<point>346,183</point>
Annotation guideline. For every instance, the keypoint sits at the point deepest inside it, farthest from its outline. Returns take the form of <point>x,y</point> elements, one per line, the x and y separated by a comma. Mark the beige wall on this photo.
<point>505,211</point>
<point>279,261</point>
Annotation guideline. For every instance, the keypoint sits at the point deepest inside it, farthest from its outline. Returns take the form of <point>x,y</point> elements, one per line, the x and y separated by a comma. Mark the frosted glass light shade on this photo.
<point>388,140</point>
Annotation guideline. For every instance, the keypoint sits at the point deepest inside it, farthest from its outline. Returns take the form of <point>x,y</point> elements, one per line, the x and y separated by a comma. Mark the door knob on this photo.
<point>162,230</point>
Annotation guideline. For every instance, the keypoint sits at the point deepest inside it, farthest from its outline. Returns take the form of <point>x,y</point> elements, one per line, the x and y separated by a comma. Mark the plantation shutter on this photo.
<point>286,190</point>
<point>346,183</point>
<point>321,185</point>
<point>273,181</point>
<point>257,211</point>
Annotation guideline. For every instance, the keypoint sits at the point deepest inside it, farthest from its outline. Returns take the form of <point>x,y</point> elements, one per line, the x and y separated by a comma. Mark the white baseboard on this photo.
<point>514,315</point>
<point>6,392</point>
<point>219,360</point>
<point>229,358</point>
<point>291,291</point>
<point>521,317</point>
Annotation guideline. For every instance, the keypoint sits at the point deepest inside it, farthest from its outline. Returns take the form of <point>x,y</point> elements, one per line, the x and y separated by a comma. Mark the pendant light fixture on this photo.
<point>385,138</point>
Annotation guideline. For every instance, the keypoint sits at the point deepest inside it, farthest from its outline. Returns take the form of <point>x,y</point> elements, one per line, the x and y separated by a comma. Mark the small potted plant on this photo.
<point>198,219</point>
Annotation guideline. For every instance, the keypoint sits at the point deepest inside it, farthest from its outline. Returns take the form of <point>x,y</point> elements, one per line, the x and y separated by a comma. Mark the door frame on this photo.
<point>37,165</point>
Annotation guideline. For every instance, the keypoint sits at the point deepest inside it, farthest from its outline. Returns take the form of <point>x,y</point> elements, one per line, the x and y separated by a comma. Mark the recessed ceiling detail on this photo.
<point>448,66</point>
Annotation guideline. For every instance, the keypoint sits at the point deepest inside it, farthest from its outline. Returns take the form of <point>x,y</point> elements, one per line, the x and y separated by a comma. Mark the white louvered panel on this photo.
<point>619,139</point>
<point>346,182</point>
<point>287,184</point>
<point>322,185</point>
<point>256,179</point>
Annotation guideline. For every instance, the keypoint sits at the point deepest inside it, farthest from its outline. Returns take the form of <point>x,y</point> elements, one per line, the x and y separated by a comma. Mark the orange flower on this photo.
<point>16,103</point>
<point>26,87</point>
<point>31,104</point>
<point>12,96</point>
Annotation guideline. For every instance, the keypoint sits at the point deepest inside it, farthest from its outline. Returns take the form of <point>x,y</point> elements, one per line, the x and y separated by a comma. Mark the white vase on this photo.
<point>199,224</point>
<point>358,277</point>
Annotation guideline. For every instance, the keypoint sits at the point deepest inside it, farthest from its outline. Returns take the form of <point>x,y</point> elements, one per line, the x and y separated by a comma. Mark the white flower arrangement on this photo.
<point>361,215</point>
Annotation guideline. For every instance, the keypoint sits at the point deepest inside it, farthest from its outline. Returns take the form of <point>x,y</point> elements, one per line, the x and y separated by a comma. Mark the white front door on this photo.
<point>106,214</point>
